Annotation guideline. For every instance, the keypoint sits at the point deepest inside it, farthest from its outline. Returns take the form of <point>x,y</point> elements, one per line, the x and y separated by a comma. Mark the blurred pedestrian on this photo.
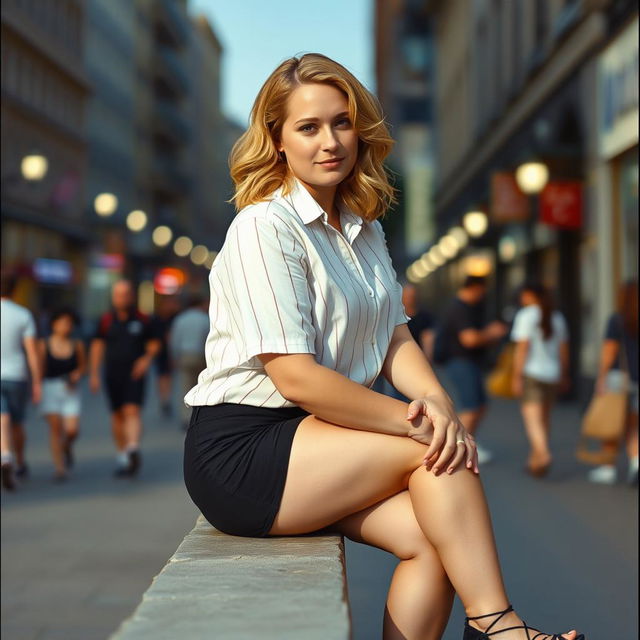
<point>18,360</point>
<point>63,363</point>
<point>464,337</point>
<point>541,368</point>
<point>126,343</point>
<point>619,368</point>
<point>421,322</point>
<point>186,346</point>
<point>166,312</point>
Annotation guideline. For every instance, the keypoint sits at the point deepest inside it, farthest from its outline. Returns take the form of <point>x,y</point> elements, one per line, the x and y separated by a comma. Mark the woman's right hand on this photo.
<point>94,383</point>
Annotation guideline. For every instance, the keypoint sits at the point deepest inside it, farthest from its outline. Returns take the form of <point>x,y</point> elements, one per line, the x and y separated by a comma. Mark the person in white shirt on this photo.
<point>286,435</point>
<point>541,368</point>
<point>188,334</point>
<point>19,360</point>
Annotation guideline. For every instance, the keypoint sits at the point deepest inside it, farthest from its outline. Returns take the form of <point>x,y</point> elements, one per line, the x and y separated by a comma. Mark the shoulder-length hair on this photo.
<point>545,302</point>
<point>256,166</point>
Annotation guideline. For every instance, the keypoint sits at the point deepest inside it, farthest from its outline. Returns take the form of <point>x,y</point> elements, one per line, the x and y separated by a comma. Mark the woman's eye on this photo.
<point>343,122</point>
<point>306,128</point>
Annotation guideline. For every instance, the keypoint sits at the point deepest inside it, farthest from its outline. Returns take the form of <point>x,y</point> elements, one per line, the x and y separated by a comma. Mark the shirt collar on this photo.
<point>309,210</point>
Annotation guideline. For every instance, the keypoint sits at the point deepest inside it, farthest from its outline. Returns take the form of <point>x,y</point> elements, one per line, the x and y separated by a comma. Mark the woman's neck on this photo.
<point>325,197</point>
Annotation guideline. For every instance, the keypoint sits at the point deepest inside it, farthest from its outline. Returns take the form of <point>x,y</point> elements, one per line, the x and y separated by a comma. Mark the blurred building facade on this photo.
<point>122,98</point>
<point>552,82</point>
<point>44,148</point>
<point>404,83</point>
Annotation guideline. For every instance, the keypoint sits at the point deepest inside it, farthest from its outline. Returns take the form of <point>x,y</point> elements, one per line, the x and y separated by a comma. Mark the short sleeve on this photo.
<point>523,325</point>
<point>268,275</point>
<point>29,329</point>
<point>614,328</point>
<point>397,307</point>
<point>103,327</point>
<point>563,331</point>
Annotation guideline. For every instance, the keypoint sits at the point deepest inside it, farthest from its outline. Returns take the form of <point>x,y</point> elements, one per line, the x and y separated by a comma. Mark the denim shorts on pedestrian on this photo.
<point>59,398</point>
<point>467,381</point>
<point>14,395</point>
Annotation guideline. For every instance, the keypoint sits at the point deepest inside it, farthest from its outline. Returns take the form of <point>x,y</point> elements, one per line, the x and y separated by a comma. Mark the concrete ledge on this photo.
<point>233,588</point>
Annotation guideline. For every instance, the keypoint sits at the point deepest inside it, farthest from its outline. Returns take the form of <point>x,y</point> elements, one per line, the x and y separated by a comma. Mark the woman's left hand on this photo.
<point>449,443</point>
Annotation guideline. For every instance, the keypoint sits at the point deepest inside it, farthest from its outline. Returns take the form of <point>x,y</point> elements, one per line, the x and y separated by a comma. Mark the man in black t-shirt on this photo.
<point>126,342</point>
<point>466,339</point>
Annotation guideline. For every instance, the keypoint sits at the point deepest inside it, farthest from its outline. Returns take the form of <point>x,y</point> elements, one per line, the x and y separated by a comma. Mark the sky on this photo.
<point>257,35</point>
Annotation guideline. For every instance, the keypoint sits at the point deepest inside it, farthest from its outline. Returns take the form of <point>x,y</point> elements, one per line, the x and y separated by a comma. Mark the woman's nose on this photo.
<point>329,139</point>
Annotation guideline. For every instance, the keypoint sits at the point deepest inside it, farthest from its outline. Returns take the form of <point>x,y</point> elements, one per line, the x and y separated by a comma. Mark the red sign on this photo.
<point>168,281</point>
<point>561,205</point>
<point>508,203</point>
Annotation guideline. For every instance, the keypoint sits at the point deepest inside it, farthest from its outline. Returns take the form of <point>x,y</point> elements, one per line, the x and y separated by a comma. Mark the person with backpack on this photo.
<point>126,341</point>
<point>460,345</point>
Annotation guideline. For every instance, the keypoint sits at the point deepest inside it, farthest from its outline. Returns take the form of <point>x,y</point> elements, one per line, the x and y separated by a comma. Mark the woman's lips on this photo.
<point>331,164</point>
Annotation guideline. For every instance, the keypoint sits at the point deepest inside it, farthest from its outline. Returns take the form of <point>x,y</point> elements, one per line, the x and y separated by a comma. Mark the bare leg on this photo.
<point>632,435</point>
<point>5,436</point>
<point>19,438</point>
<point>117,427</point>
<point>537,428</point>
<point>471,419</point>
<point>56,445</point>
<point>132,428</point>
<point>335,472</point>
<point>71,428</point>
<point>420,595</point>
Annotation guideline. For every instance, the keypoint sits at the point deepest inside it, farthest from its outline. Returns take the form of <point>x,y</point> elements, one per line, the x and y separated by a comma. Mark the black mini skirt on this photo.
<point>235,464</point>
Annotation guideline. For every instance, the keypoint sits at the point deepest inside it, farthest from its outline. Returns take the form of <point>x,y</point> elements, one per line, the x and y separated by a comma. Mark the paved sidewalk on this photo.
<point>569,549</point>
<point>77,557</point>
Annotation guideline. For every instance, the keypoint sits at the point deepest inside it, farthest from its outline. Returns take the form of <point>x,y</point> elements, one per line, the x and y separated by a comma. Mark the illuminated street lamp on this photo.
<point>199,254</point>
<point>105,204</point>
<point>475,223</point>
<point>532,177</point>
<point>460,236</point>
<point>161,236</point>
<point>182,246</point>
<point>34,167</point>
<point>136,220</point>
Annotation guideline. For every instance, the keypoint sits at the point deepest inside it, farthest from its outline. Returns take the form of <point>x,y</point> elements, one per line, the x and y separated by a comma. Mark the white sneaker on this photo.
<point>604,474</point>
<point>484,455</point>
<point>632,474</point>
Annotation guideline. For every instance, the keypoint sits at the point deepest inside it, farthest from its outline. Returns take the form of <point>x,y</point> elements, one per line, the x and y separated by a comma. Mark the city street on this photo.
<point>77,557</point>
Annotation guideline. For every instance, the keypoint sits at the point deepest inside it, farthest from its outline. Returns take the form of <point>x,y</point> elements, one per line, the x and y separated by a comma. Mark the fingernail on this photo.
<point>450,469</point>
<point>469,465</point>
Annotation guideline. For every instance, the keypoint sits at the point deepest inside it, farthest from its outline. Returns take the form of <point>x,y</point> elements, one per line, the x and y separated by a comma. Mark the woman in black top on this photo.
<point>62,360</point>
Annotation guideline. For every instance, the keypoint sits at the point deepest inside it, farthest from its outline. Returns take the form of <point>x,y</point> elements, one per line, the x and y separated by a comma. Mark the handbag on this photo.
<point>499,381</point>
<point>605,420</point>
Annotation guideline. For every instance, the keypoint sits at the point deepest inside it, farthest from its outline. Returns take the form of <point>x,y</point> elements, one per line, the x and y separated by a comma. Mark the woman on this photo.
<point>619,366</point>
<point>286,436</point>
<point>541,367</point>
<point>63,363</point>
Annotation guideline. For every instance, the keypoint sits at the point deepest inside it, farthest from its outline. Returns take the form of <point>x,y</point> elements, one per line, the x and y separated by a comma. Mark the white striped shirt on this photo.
<point>287,281</point>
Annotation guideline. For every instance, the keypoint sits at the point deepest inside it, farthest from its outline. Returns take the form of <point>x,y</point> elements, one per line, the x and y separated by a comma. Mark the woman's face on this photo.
<point>63,326</point>
<point>318,137</point>
<point>528,298</point>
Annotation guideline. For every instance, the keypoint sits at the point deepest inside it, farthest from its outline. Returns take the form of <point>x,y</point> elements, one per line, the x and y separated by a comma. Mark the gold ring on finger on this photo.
<point>460,442</point>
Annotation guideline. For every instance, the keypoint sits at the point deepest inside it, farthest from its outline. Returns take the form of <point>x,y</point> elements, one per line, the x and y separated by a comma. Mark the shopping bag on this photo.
<point>604,421</point>
<point>500,380</point>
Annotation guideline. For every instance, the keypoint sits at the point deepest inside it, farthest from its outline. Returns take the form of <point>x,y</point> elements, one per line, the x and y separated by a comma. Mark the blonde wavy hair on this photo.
<point>257,169</point>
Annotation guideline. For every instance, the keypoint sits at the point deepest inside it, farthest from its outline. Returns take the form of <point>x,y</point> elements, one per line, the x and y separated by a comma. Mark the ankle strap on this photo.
<point>499,614</point>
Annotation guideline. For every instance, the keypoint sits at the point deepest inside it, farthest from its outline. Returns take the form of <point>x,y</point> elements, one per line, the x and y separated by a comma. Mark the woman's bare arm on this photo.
<point>334,397</point>
<point>406,367</point>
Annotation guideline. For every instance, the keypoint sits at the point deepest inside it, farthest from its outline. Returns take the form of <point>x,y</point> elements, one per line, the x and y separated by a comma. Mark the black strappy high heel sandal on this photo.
<point>475,634</point>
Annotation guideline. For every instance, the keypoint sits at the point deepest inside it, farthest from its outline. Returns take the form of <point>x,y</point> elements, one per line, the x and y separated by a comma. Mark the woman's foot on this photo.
<point>59,477</point>
<point>604,474</point>
<point>506,625</point>
<point>538,464</point>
